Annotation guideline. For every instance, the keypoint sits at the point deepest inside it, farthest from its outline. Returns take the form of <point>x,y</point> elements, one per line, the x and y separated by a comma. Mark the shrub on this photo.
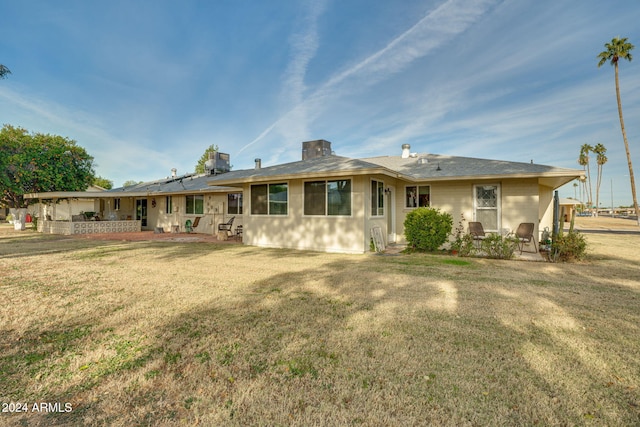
<point>426,229</point>
<point>462,243</point>
<point>568,247</point>
<point>466,246</point>
<point>498,247</point>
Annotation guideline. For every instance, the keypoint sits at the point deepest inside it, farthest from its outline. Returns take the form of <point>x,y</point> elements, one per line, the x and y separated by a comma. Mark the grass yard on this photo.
<point>175,333</point>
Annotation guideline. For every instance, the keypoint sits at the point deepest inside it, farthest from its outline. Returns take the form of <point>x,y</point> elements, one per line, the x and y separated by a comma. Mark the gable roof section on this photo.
<point>319,167</point>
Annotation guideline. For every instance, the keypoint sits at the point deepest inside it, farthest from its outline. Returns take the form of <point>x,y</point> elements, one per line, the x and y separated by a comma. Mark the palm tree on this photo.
<point>618,49</point>
<point>600,150</point>
<point>583,160</point>
<point>4,71</point>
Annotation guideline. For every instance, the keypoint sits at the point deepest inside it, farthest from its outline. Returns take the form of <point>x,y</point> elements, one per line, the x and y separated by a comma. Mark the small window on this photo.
<point>168,204</point>
<point>234,203</point>
<point>195,205</point>
<point>269,199</point>
<point>116,204</point>
<point>417,196</point>
<point>327,197</point>
<point>377,198</point>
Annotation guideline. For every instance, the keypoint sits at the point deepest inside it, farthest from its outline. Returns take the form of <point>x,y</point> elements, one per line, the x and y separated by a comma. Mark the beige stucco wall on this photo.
<point>296,231</point>
<point>215,212</point>
<point>521,200</point>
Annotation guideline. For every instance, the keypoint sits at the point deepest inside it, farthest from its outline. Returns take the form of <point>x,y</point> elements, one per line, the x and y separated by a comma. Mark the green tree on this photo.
<point>103,182</point>
<point>131,182</point>
<point>36,163</point>
<point>4,72</point>
<point>200,165</point>
<point>620,48</point>
<point>601,158</point>
<point>583,160</point>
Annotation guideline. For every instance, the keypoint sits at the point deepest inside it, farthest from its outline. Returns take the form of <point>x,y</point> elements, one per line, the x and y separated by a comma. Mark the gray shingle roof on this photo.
<point>434,166</point>
<point>177,185</point>
<point>318,166</point>
<point>423,167</point>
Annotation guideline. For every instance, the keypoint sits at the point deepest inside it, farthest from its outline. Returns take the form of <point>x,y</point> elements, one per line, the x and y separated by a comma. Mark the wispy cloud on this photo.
<point>432,31</point>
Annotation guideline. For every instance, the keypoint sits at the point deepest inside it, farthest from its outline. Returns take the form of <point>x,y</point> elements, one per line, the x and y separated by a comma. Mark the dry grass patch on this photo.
<point>164,333</point>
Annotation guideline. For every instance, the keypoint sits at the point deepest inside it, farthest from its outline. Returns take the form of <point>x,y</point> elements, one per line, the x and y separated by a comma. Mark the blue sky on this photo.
<point>146,86</point>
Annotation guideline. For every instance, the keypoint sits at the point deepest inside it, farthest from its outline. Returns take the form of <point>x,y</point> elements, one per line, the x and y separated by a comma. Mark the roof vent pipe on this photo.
<point>406,149</point>
<point>174,172</point>
<point>258,163</point>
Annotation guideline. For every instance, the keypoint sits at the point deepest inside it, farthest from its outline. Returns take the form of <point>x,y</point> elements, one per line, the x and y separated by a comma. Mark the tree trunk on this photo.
<point>626,147</point>
<point>598,181</point>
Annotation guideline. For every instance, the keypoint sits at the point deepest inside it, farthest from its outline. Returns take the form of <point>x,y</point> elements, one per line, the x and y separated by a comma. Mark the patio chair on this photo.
<point>226,226</point>
<point>477,232</point>
<point>524,234</point>
<point>189,226</point>
<point>239,232</point>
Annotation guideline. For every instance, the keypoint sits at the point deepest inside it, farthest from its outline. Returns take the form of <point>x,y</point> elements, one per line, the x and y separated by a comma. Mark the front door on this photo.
<point>141,211</point>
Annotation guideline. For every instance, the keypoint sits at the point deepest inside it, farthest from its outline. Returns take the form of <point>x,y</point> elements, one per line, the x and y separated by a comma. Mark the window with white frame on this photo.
<point>377,198</point>
<point>417,196</point>
<point>234,203</point>
<point>195,204</point>
<point>270,199</point>
<point>487,206</point>
<point>327,197</point>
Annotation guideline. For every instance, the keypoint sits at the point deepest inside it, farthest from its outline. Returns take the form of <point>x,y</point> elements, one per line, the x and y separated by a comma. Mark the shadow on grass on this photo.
<point>408,339</point>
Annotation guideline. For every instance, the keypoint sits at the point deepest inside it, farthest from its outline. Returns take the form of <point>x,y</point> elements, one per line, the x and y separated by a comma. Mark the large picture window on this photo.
<point>327,197</point>
<point>269,199</point>
<point>377,198</point>
<point>195,204</point>
<point>487,206</point>
<point>417,196</point>
<point>234,203</point>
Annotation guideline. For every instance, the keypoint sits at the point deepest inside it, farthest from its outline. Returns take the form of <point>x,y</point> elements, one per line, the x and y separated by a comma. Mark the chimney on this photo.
<point>258,163</point>
<point>174,172</point>
<point>406,151</point>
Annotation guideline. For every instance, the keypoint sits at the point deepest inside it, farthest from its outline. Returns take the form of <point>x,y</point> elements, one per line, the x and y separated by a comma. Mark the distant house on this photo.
<point>326,202</point>
<point>331,203</point>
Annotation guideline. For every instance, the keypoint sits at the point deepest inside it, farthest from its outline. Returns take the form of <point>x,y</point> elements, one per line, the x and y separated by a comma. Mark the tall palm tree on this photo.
<point>4,71</point>
<point>601,158</point>
<point>618,49</point>
<point>583,160</point>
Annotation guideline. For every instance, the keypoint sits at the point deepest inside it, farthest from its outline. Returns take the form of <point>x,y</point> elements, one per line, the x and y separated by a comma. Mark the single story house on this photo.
<point>326,202</point>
